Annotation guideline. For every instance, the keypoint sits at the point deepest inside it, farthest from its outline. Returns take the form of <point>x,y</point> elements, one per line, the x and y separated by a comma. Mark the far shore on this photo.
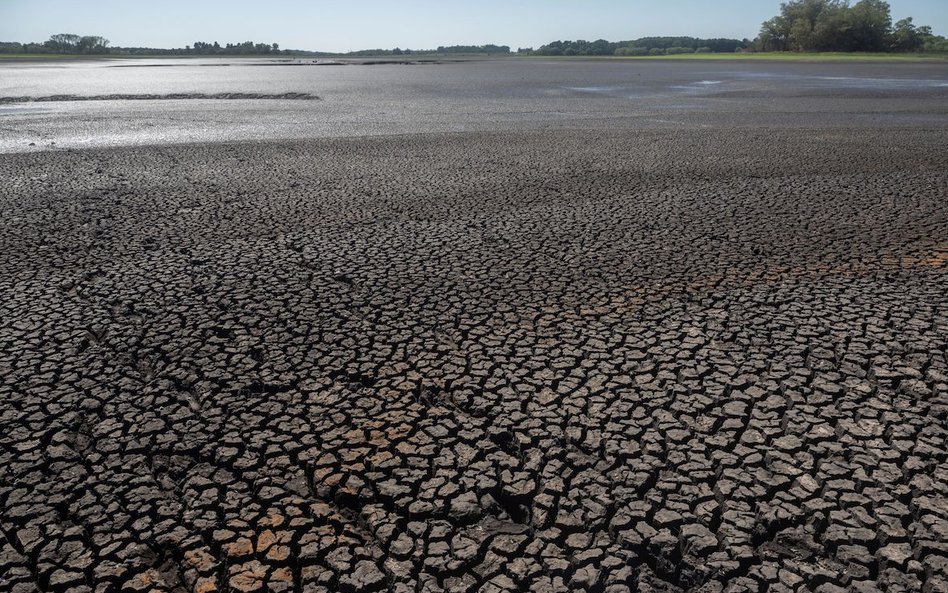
<point>743,56</point>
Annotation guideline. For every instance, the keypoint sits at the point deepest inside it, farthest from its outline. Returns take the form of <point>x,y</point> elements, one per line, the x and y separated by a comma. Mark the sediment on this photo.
<point>160,97</point>
<point>551,361</point>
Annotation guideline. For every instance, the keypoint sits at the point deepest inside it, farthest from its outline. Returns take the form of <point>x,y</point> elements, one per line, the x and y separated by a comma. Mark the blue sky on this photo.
<point>343,26</point>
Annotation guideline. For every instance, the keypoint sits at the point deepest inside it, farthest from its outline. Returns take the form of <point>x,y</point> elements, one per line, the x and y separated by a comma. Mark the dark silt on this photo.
<point>518,325</point>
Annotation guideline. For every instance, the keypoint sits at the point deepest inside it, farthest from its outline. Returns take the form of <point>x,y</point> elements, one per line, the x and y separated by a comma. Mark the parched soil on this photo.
<point>656,361</point>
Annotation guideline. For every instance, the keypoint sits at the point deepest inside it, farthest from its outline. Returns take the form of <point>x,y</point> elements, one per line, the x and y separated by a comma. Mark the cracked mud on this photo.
<point>535,361</point>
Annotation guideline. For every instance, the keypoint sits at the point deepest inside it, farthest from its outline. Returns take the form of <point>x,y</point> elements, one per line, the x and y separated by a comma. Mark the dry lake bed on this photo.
<point>505,325</point>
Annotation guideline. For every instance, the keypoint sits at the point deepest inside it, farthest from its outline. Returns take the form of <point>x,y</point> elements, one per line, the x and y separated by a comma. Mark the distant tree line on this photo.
<point>61,43</point>
<point>835,25</point>
<point>474,49</point>
<point>488,49</point>
<point>639,47</point>
<point>15,47</point>
<point>247,47</point>
<point>68,43</point>
<point>802,25</point>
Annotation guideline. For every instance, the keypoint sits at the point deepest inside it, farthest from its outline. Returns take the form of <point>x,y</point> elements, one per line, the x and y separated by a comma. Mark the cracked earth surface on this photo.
<point>552,361</point>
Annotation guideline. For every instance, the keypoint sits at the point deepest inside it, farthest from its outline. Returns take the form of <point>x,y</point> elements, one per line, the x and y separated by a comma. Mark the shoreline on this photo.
<point>803,57</point>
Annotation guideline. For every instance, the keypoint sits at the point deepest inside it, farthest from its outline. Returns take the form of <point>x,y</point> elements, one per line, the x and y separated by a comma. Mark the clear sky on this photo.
<point>334,25</point>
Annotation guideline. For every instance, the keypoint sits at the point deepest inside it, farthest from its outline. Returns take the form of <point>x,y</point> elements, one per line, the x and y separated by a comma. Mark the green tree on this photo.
<point>92,44</point>
<point>870,23</point>
<point>905,36</point>
<point>831,25</point>
<point>810,25</point>
<point>599,47</point>
<point>65,43</point>
<point>834,25</point>
<point>801,35</point>
<point>774,34</point>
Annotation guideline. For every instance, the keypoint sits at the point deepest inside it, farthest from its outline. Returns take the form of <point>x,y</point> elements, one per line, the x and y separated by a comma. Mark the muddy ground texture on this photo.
<point>656,361</point>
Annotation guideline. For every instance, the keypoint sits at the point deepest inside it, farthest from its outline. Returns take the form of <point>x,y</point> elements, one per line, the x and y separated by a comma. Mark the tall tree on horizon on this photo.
<point>835,25</point>
<point>870,25</point>
<point>63,42</point>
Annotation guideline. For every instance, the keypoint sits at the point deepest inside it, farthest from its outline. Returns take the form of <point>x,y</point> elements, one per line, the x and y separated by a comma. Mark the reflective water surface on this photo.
<point>462,96</point>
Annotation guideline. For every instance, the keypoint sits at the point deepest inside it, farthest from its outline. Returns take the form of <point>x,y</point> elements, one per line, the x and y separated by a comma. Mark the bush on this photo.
<point>938,44</point>
<point>679,50</point>
<point>632,51</point>
<point>704,50</point>
<point>656,51</point>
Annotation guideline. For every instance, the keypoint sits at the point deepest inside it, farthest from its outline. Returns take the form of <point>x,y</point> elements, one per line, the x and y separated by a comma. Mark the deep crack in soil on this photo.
<point>552,361</point>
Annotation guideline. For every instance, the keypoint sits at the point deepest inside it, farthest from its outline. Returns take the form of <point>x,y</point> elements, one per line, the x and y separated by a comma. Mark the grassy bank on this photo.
<point>47,57</point>
<point>57,57</point>
<point>728,57</point>
<point>779,56</point>
<point>73,57</point>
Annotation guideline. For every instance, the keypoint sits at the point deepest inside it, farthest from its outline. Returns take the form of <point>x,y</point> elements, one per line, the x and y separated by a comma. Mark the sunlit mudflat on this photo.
<point>165,101</point>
